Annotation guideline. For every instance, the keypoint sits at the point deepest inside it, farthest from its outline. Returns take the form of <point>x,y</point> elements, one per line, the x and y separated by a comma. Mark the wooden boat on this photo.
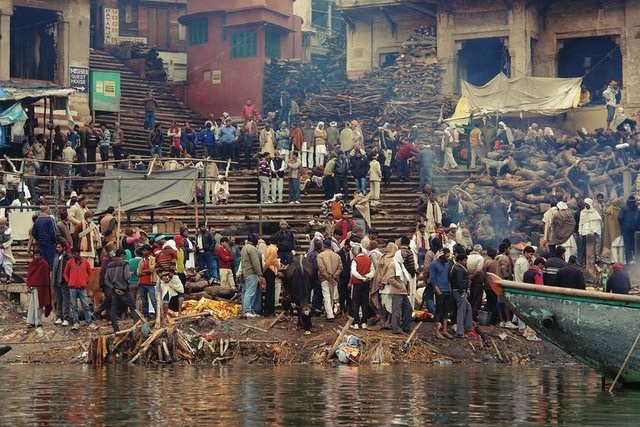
<point>596,328</point>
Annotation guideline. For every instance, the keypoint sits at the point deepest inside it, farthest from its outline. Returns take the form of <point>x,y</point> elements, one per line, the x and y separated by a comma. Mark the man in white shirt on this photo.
<point>609,96</point>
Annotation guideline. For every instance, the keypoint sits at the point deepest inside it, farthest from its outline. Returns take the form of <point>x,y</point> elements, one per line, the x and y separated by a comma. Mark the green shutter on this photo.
<point>198,31</point>
<point>272,45</point>
<point>244,45</point>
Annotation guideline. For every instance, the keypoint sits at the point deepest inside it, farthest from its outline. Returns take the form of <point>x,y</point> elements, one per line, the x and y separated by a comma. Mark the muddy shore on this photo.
<point>251,341</point>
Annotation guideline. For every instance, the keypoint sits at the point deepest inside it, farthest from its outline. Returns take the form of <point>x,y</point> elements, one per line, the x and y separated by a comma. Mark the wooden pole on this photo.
<point>153,162</point>
<point>120,215</point>
<point>205,192</point>
<point>336,343</point>
<point>195,201</point>
<point>405,345</point>
<point>626,360</point>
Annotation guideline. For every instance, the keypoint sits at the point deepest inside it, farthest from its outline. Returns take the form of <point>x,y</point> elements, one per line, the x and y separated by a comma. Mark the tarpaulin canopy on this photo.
<point>160,189</point>
<point>518,96</point>
<point>18,90</point>
<point>12,115</point>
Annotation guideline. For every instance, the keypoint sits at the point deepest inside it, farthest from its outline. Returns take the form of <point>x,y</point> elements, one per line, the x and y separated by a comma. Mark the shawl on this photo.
<point>433,215</point>
<point>547,219</point>
<point>38,277</point>
<point>87,236</point>
<point>611,223</point>
<point>361,203</point>
<point>563,224</point>
<point>385,271</point>
<point>271,259</point>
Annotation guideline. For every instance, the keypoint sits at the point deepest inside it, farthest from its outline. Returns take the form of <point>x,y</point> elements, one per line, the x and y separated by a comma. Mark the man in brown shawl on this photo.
<point>389,280</point>
<point>562,225</point>
<point>611,224</point>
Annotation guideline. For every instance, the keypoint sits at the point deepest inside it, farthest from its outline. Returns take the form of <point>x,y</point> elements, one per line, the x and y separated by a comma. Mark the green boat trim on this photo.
<point>498,285</point>
<point>579,322</point>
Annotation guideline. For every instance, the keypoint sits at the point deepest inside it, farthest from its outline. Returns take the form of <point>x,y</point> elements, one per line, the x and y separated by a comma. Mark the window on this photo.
<point>198,31</point>
<point>223,29</point>
<point>128,20</point>
<point>319,14</point>
<point>244,45</point>
<point>272,45</point>
<point>182,30</point>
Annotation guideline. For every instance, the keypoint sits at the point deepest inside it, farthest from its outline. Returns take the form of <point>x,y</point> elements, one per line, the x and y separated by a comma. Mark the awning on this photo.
<point>17,90</point>
<point>138,193</point>
<point>521,96</point>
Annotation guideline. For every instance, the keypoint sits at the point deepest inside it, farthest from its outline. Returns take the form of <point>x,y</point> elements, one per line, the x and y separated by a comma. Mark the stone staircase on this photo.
<point>133,90</point>
<point>397,209</point>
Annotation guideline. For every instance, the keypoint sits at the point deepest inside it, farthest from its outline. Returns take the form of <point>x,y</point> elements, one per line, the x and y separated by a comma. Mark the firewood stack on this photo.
<point>296,77</point>
<point>533,177</point>
<point>154,67</point>
<point>406,93</point>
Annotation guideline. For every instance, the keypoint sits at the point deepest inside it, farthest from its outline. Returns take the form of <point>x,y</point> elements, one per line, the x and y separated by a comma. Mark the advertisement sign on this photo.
<point>105,90</point>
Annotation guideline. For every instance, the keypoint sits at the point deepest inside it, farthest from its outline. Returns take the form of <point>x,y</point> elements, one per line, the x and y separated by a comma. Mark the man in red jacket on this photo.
<point>225,259</point>
<point>405,152</point>
<point>77,273</point>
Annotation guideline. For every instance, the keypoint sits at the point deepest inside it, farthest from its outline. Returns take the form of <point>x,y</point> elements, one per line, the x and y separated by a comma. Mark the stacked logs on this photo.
<point>406,93</point>
<point>176,341</point>
<point>533,177</point>
<point>298,78</point>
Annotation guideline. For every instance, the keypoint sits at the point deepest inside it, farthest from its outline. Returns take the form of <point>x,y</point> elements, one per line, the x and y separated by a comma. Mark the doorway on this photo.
<point>158,22</point>
<point>480,60</point>
<point>33,44</point>
<point>598,59</point>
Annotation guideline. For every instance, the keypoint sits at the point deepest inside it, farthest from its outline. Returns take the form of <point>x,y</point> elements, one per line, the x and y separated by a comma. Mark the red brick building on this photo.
<point>229,42</point>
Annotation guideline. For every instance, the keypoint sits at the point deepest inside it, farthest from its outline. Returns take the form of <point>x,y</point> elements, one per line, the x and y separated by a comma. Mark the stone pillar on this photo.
<point>5,44</point>
<point>518,44</point>
<point>447,52</point>
<point>64,44</point>
<point>630,59</point>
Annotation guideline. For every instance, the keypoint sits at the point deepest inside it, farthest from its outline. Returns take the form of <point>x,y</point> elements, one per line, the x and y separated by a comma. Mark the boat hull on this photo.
<point>595,330</point>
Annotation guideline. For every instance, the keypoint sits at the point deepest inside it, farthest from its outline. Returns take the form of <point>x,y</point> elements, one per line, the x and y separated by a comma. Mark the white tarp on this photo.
<point>518,96</point>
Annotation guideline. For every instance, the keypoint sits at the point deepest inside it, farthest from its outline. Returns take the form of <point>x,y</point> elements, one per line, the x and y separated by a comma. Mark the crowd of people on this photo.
<point>355,271</point>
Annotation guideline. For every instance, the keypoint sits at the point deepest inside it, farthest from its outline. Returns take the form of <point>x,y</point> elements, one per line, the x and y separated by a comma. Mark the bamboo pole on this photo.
<point>195,202</point>
<point>153,161</point>
<point>205,191</point>
<point>142,159</point>
<point>626,360</point>
<point>118,240</point>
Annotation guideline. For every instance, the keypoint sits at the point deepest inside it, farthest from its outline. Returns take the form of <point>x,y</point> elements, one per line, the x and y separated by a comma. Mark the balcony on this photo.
<point>359,4</point>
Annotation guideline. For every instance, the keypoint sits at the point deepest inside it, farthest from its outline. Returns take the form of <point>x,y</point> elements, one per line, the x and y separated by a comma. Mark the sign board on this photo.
<point>105,90</point>
<point>111,25</point>
<point>216,77</point>
<point>112,29</point>
<point>79,78</point>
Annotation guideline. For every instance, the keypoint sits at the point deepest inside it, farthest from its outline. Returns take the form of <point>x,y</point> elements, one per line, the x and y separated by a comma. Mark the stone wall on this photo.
<point>72,39</point>
<point>373,36</point>
<point>519,25</point>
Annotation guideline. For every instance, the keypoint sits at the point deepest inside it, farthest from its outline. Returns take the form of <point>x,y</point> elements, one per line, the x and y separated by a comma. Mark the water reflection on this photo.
<point>309,395</point>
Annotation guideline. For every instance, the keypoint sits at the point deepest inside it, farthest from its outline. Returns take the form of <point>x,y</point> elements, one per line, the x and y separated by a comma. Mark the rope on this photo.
<point>40,342</point>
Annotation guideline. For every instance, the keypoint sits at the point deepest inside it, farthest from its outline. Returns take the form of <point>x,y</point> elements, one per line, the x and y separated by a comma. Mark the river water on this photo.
<point>310,395</point>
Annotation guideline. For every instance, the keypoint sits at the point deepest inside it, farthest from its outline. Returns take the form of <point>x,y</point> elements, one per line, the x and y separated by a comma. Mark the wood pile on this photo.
<point>176,341</point>
<point>533,177</point>
<point>154,66</point>
<point>298,78</point>
<point>406,93</point>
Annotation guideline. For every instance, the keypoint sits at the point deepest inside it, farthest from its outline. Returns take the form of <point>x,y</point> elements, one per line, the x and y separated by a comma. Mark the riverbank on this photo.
<point>239,341</point>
